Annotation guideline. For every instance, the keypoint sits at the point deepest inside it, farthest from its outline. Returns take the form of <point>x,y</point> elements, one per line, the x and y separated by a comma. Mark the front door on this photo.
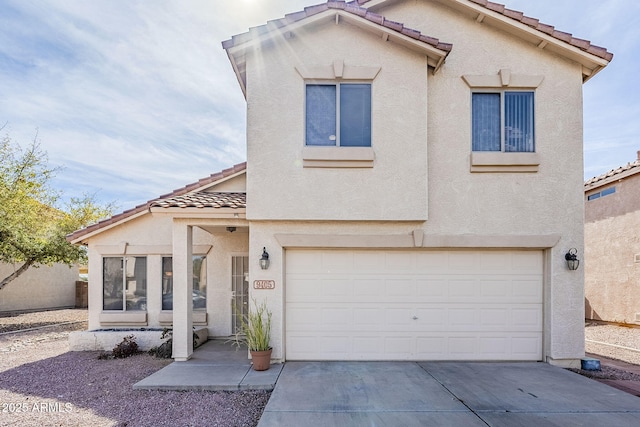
<point>240,290</point>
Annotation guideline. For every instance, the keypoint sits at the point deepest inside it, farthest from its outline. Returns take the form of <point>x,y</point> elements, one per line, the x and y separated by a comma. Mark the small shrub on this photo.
<point>165,350</point>
<point>128,347</point>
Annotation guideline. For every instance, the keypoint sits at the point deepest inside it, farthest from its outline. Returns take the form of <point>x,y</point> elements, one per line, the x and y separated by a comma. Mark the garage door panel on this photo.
<point>336,289</point>
<point>414,305</point>
<point>303,288</point>
<point>424,317</point>
<point>462,289</point>
<point>401,346</point>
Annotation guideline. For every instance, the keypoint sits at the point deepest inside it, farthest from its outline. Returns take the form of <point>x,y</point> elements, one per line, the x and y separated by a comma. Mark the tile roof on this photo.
<point>628,169</point>
<point>584,45</point>
<point>204,199</point>
<point>211,179</point>
<point>349,7</point>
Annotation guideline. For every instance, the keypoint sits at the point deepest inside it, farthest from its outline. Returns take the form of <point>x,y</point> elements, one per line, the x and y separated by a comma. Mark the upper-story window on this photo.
<point>338,115</point>
<point>503,121</point>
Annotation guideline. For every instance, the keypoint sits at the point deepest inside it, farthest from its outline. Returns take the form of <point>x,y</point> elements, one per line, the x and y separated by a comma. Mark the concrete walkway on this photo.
<point>215,365</point>
<point>443,394</point>
<point>405,393</point>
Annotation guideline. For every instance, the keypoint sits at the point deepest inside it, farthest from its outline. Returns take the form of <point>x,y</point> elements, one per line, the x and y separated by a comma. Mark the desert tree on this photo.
<point>33,225</point>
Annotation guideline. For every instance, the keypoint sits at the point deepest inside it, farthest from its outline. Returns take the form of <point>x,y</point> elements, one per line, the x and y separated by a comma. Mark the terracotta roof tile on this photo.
<point>565,37</point>
<point>518,16</point>
<point>203,199</point>
<point>496,7</point>
<point>532,22</point>
<point>614,172</point>
<point>352,7</point>
<point>211,179</point>
<point>396,26</point>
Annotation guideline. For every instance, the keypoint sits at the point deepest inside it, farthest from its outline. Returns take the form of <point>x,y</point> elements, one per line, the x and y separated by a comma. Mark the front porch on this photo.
<point>217,365</point>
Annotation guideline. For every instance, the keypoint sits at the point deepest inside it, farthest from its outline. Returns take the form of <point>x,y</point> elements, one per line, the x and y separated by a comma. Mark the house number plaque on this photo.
<point>264,284</point>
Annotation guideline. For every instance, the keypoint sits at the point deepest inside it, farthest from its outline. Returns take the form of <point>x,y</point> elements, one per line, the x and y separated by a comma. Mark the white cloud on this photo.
<point>138,98</point>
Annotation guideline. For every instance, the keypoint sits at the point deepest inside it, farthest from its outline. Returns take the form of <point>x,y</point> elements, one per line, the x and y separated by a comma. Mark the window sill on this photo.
<point>199,317</point>
<point>505,162</point>
<point>123,318</point>
<point>337,157</point>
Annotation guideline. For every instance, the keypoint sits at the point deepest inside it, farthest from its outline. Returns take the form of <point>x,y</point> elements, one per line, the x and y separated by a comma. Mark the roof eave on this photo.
<point>193,212</point>
<point>83,238</point>
<point>611,179</point>
<point>276,30</point>
<point>592,64</point>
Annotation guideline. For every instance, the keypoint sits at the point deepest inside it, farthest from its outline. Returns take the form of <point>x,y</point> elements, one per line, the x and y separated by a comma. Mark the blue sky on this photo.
<point>137,98</point>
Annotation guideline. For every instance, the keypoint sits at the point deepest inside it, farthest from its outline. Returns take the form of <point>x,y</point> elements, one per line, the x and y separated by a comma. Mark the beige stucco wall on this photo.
<point>278,185</point>
<point>237,183</point>
<point>151,236</point>
<point>43,287</point>
<point>460,202</point>
<point>612,254</point>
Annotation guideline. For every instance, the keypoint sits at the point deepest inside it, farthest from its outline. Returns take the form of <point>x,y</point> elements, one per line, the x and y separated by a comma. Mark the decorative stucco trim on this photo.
<point>199,317</point>
<point>338,70</point>
<point>123,318</point>
<point>504,162</point>
<point>220,213</point>
<point>397,241</point>
<point>504,79</point>
<point>526,241</point>
<point>338,157</point>
<point>126,249</point>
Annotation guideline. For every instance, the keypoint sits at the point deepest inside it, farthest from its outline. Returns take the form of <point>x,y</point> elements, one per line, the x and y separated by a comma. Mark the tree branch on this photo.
<point>16,273</point>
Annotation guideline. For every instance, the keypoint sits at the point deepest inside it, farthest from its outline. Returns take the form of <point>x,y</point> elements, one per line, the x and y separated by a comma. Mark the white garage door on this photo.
<point>413,305</point>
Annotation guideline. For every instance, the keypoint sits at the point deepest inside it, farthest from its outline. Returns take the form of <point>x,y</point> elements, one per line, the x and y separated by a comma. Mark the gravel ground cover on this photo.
<point>10,322</point>
<point>42,383</point>
<point>624,336</point>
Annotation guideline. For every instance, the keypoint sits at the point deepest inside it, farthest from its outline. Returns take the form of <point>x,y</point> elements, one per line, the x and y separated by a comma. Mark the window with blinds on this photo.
<point>503,121</point>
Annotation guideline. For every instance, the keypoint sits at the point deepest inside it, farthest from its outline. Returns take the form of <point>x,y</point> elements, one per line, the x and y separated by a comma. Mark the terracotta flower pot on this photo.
<point>261,360</point>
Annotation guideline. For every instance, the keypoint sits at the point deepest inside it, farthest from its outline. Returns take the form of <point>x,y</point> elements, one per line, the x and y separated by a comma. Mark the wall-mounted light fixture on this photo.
<point>572,259</point>
<point>264,260</point>
<point>231,229</point>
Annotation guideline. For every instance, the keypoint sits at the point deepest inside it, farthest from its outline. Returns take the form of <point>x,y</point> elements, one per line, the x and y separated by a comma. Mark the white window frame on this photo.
<point>500,161</point>
<point>502,118</point>
<point>123,260</point>
<point>338,85</point>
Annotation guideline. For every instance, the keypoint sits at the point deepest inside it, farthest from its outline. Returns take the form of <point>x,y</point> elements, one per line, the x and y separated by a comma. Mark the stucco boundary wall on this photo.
<point>41,288</point>
<point>106,340</point>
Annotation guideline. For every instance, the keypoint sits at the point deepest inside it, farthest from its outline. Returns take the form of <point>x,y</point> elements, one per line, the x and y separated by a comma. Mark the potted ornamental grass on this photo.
<point>256,331</point>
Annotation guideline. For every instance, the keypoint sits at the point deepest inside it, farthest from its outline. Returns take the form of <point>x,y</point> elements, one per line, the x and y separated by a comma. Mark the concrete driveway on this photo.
<point>443,394</point>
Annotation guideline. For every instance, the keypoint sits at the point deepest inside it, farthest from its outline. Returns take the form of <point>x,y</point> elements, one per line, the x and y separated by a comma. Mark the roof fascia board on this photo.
<point>234,65</point>
<point>435,55</point>
<point>220,181</point>
<point>85,237</point>
<point>592,63</point>
<point>612,179</point>
<point>228,213</point>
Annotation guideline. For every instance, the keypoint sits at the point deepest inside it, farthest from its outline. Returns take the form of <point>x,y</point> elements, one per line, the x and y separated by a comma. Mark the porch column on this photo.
<point>182,298</point>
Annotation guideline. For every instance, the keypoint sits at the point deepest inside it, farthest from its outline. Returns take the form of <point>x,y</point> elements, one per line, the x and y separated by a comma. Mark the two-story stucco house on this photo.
<point>612,245</point>
<point>406,174</point>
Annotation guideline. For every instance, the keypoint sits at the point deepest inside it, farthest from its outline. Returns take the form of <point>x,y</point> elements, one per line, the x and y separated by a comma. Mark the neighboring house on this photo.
<point>408,181</point>
<point>39,288</point>
<point>612,245</point>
